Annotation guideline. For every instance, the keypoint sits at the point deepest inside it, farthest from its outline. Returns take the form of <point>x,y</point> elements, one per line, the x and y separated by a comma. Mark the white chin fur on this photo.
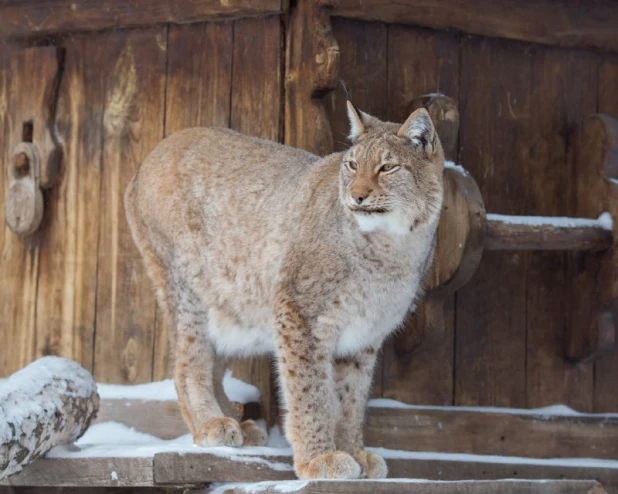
<point>391,222</point>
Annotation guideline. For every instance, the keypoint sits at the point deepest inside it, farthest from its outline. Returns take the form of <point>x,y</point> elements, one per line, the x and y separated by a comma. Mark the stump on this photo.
<point>50,402</point>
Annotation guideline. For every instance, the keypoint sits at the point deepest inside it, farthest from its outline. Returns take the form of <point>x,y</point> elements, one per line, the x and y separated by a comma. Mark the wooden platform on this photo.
<point>197,469</point>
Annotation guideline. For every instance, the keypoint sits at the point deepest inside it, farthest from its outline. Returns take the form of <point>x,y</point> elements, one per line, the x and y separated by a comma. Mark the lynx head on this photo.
<point>391,177</point>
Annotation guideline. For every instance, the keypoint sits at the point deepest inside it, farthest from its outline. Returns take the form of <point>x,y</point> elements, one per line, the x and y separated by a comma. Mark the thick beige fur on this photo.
<point>254,247</point>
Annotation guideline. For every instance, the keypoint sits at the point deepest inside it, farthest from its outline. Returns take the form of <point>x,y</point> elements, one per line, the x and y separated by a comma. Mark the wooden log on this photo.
<point>35,18</point>
<point>549,22</point>
<point>547,233</point>
<point>52,401</point>
<point>413,486</point>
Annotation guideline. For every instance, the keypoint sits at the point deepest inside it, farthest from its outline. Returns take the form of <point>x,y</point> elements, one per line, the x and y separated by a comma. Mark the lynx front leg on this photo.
<point>193,376</point>
<point>353,378</point>
<point>305,363</point>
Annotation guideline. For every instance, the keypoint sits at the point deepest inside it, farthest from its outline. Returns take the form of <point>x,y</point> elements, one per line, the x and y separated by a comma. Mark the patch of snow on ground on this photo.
<point>114,476</point>
<point>155,391</point>
<point>235,389</point>
<point>249,488</point>
<point>559,462</point>
<point>549,411</point>
<point>110,439</point>
<point>276,439</point>
<point>603,221</point>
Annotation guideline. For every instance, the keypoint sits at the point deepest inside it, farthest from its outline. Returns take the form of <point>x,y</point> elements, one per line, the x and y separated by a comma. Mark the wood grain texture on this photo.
<point>362,67</point>
<point>132,124</point>
<point>30,77</point>
<point>442,430</point>
<point>66,295</point>
<point>606,369</point>
<point>495,112</point>
<point>174,468</point>
<point>312,67</point>
<point>550,22</point>
<point>33,18</point>
<point>256,109</point>
<point>198,92</point>
<point>514,235</point>
<point>91,472</point>
<point>418,362</point>
<point>404,486</point>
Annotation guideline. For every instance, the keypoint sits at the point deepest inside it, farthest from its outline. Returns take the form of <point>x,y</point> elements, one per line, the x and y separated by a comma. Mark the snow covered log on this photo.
<point>50,402</point>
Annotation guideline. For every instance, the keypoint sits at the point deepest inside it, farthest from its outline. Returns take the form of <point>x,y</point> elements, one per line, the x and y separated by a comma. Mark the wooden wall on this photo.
<point>504,334</point>
<point>77,287</point>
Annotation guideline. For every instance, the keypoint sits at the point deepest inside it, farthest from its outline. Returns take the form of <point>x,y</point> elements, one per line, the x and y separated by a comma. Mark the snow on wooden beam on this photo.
<point>505,232</point>
<point>50,402</point>
<point>414,486</point>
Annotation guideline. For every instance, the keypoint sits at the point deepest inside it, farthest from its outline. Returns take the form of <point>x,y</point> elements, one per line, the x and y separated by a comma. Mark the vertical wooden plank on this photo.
<point>606,369</point>
<point>256,110</point>
<point>495,112</point>
<point>199,78</point>
<point>256,79</point>
<point>5,293</point>
<point>363,69</point>
<point>68,261</point>
<point>418,362</point>
<point>558,106</point>
<point>29,84</point>
<point>132,127</point>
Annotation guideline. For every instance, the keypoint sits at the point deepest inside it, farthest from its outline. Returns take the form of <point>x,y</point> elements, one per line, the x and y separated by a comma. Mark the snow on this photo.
<point>553,410</point>
<point>455,166</point>
<point>110,439</point>
<point>249,488</point>
<point>603,221</point>
<point>235,389</point>
<point>114,476</point>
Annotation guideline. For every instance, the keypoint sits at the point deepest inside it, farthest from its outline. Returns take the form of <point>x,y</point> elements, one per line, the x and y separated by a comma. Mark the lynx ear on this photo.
<point>359,122</point>
<point>419,129</point>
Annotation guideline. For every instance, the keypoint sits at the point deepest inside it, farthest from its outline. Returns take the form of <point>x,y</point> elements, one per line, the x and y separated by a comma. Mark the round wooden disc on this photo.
<point>23,208</point>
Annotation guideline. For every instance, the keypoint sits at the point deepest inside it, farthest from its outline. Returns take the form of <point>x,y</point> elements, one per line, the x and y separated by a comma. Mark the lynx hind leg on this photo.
<point>193,376</point>
<point>253,434</point>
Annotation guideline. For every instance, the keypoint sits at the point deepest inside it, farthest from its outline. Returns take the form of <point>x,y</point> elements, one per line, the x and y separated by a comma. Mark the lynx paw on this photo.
<point>222,431</point>
<point>373,466</point>
<point>253,434</point>
<point>334,465</point>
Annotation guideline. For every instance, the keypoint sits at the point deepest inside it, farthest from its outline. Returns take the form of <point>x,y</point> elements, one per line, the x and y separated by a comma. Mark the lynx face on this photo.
<point>391,178</point>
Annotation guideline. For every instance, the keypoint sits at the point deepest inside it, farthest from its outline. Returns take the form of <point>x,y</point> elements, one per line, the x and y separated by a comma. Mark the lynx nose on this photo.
<point>358,197</point>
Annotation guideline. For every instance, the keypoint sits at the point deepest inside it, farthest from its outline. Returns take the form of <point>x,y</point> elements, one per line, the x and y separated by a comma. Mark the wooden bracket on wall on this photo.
<point>311,70</point>
<point>35,148</point>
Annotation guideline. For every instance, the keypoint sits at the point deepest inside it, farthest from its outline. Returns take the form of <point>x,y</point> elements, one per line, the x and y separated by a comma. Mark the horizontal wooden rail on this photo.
<point>548,22</point>
<point>36,17</point>
<point>547,233</point>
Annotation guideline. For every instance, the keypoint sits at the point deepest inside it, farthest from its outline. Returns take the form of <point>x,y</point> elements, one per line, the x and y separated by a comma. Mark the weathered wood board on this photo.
<point>428,429</point>
<point>405,486</point>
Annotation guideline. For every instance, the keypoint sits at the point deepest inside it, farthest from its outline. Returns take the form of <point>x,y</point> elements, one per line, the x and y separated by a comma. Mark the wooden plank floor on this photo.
<point>197,469</point>
<point>443,430</point>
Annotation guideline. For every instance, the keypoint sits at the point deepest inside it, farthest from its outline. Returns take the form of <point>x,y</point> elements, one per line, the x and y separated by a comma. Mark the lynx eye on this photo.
<point>350,165</point>
<point>388,168</point>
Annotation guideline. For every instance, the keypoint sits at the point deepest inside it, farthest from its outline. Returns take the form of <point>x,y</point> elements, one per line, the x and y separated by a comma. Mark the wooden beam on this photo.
<point>545,233</point>
<point>86,472</point>
<point>35,18</point>
<point>548,22</point>
<point>190,468</point>
<point>439,429</point>
<point>409,486</point>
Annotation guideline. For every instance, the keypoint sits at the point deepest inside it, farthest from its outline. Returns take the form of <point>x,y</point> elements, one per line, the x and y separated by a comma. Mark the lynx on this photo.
<point>257,248</point>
